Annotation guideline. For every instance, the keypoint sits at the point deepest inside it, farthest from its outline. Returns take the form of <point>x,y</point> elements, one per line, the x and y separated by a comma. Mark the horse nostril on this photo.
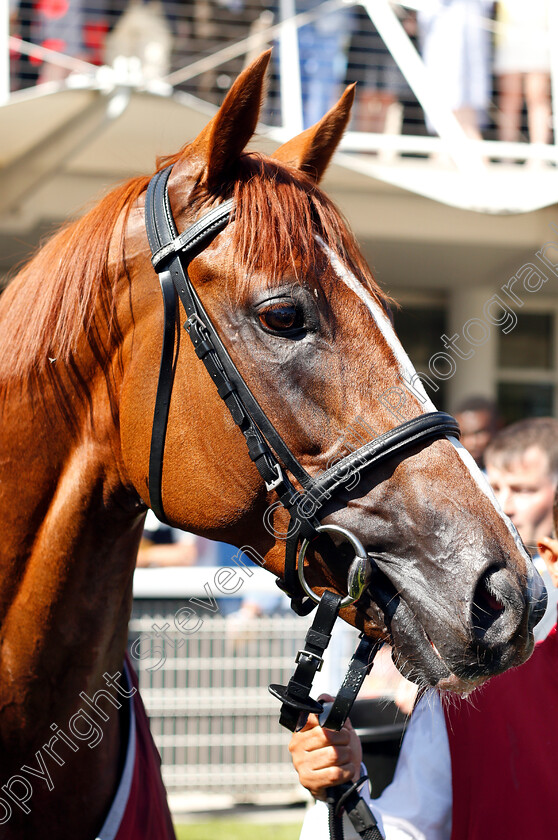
<point>493,603</point>
<point>497,606</point>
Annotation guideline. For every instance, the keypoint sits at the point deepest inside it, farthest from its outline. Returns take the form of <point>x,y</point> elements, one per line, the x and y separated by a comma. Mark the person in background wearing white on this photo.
<point>474,768</point>
<point>522,66</point>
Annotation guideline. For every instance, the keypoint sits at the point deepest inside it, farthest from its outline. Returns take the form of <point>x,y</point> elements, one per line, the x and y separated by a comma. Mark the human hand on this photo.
<point>406,695</point>
<point>324,758</point>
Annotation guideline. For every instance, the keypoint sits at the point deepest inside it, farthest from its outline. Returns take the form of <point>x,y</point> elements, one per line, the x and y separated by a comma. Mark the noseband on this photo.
<point>171,255</point>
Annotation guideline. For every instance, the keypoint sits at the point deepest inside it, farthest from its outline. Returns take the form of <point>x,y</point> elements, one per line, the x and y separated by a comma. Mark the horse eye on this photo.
<point>281,317</point>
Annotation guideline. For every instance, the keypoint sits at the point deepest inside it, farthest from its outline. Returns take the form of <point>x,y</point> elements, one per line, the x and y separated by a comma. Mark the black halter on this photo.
<point>171,255</point>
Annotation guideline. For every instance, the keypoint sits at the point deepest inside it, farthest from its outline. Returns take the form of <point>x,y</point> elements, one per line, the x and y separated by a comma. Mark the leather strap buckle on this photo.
<point>310,655</point>
<point>272,485</point>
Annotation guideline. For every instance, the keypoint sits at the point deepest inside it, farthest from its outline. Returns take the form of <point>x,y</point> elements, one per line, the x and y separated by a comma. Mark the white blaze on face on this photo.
<point>410,379</point>
<point>408,373</point>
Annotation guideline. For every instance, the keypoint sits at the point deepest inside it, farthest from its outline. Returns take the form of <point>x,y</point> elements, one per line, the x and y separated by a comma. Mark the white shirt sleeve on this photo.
<point>417,804</point>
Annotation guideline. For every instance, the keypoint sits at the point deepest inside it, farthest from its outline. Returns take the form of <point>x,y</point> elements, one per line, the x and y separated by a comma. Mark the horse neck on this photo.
<point>70,529</point>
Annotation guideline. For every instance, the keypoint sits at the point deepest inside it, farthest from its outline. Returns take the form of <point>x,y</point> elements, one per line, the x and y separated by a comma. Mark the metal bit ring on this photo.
<point>356,545</point>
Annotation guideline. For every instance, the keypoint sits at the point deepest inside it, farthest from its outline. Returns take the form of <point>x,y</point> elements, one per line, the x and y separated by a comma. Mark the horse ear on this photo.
<point>223,139</point>
<point>312,150</point>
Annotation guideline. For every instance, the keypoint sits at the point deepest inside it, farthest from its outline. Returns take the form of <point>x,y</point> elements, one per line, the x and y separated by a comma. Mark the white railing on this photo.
<point>191,50</point>
<point>212,717</point>
<point>204,678</point>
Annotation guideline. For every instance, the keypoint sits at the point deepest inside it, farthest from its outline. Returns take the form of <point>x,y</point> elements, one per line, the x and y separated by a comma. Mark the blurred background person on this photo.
<point>381,86</point>
<point>322,46</point>
<point>522,66</point>
<point>479,421</point>
<point>522,468</point>
<point>162,545</point>
<point>455,44</point>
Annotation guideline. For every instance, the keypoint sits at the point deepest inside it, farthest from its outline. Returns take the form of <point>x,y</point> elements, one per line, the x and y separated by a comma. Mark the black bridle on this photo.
<point>171,254</point>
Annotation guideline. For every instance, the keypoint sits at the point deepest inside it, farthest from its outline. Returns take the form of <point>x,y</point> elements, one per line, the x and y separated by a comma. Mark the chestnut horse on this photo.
<point>305,323</point>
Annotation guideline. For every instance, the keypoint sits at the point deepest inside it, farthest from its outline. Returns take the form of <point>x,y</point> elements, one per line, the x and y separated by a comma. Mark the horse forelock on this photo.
<point>283,219</point>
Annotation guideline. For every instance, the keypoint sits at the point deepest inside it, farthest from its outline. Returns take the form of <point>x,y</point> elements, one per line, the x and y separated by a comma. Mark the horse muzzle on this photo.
<point>493,634</point>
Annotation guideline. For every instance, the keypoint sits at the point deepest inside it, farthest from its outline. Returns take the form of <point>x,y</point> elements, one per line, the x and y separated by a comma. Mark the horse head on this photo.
<point>298,312</point>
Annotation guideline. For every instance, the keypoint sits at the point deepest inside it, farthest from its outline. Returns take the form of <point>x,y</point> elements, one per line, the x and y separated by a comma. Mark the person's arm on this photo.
<point>178,548</point>
<point>324,758</point>
<point>417,804</point>
<point>166,554</point>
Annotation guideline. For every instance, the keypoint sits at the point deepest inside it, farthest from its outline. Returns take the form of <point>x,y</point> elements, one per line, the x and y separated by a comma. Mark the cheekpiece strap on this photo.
<point>359,668</point>
<point>171,255</point>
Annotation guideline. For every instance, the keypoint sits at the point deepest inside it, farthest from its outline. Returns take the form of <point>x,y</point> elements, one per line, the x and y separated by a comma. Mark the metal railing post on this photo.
<point>461,149</point>
<point>289,66</point>
<point>553,34</point>
<point>4,53</point>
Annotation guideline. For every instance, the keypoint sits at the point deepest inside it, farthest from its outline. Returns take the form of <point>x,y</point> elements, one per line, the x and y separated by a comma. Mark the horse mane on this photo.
<point>281,217</point>
<point>51,303</point>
